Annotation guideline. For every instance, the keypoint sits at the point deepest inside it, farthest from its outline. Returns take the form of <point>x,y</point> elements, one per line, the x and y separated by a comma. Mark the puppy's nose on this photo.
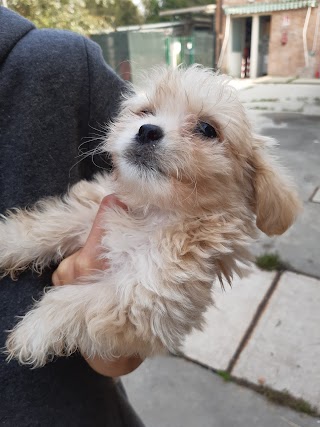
<point>149,134</point>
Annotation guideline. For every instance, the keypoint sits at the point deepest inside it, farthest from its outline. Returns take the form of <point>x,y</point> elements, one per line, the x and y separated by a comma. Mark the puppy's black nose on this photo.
<point>149,134</point>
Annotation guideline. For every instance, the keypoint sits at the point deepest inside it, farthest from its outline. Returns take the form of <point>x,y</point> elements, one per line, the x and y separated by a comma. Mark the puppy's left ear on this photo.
<point>276,203</point>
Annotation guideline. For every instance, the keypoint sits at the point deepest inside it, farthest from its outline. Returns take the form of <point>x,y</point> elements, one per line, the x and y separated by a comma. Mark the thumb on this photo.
<point>94,237</point>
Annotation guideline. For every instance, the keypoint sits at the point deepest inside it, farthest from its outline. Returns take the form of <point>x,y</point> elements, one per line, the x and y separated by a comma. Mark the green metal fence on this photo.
<point>130,52</point>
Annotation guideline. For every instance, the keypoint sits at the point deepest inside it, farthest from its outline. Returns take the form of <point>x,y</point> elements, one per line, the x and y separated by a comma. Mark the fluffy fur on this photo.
<point>193,206</point>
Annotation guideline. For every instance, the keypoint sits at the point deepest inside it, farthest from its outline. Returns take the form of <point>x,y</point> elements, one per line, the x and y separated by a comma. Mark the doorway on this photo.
<point>239,64</point>
<point>264,37</point>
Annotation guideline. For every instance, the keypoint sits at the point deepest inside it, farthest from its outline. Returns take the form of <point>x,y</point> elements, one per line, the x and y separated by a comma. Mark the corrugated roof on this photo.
<point>249,9</point>
<point>208,9</point>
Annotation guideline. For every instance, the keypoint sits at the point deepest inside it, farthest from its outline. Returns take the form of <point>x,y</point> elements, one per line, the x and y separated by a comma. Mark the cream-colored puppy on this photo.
<point>196,181</point>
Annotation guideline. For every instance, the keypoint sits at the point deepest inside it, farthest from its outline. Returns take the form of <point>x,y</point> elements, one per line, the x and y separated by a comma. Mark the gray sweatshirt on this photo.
<point>55,90</point>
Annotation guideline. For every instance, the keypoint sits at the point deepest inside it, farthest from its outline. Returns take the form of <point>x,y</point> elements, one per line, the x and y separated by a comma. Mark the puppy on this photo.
<point>197,182</point>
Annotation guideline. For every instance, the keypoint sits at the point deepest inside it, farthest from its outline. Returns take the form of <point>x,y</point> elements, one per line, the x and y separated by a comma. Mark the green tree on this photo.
<point>177,4</point>
<point>124,12</point>
<point>153,7</point>
<point>115,13</point>
<point>83,16</point>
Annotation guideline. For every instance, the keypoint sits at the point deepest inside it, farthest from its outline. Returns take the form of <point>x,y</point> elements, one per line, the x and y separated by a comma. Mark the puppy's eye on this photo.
<point>206,130</point>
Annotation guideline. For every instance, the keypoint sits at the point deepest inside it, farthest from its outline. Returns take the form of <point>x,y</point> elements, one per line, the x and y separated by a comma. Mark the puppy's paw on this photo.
<point>11,271</point>
<point>10,264</point>
<point>32,342</point>
<point>63,321</point>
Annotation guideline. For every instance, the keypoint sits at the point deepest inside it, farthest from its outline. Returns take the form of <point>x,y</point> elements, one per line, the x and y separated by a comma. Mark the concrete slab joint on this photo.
<point>284,349</point>
<point>316,195</point>
<point>229,320</point>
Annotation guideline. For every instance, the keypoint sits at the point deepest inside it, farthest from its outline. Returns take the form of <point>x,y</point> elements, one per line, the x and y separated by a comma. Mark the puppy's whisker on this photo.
<point>201,110</point>
<point>83,150</point>
<point>99,167</point>
<point>94,137</point>
<point>101,128</point>
<point>194,190</point>
<point>177,174</point>
<point>90,153</point>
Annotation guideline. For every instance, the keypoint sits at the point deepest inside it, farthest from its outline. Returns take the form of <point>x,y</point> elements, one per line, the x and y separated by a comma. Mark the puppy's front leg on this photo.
<point>67,318</point>
<point>52,229</point>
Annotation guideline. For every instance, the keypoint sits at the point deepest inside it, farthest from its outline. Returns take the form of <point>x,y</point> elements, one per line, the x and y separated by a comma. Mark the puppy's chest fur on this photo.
<point>161,267</point>
<point>134,244</point>
<point>166,254</point>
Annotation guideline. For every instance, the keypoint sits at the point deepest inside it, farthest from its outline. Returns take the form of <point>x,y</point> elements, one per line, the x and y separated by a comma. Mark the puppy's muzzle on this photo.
<point>146,151</point>
<point>149,134</point>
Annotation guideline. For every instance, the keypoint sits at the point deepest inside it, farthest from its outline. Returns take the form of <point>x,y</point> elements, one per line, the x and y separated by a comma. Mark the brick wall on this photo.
<point>288,59</point>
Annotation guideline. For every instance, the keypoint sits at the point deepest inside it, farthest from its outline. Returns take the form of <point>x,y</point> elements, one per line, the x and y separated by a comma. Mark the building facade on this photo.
<point>278,38</point>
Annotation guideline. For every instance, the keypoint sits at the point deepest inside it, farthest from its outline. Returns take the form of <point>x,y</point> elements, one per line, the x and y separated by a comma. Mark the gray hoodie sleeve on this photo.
<point>54,85</point>
<point>105,94</point>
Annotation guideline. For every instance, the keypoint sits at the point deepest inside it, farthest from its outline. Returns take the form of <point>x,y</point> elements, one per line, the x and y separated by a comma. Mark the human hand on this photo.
<point>86,259</point>
<point>82,263</point>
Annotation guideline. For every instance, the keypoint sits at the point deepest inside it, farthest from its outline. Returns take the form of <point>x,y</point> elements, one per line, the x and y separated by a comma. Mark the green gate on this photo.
<point>179,50</point>
<point>130,52</point>
<point>198,48</point>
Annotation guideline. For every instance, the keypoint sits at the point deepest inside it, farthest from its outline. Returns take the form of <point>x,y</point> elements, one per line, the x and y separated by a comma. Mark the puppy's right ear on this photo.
<point>276,203</point>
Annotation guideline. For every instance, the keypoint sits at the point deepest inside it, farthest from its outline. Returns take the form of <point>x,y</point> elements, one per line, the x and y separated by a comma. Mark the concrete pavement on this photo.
<point>290,113</point>
<point>280,95</point>
<point>299,150</point>
<point>264,330</point>
<point>172,392</point>
<point>283,350</point>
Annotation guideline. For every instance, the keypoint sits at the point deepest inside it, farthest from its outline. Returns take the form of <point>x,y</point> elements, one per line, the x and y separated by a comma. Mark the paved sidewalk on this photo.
<point>280,95</point>
<point>172,392</point>
<point>265,330</point>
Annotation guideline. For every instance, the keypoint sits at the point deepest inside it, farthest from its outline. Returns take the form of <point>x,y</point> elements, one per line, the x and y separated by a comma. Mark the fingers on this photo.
<point>65,272</point>
<point>113,200</point>
<point>81,263</point>
<point>86,259</point>
<point>92,244</point>
<point>114,368</point>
